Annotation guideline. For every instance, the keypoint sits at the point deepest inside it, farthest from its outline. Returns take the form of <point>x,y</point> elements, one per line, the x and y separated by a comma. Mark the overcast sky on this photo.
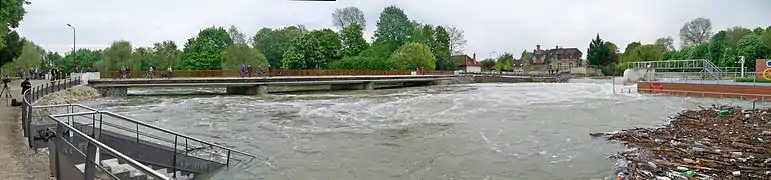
<point>490,25</point>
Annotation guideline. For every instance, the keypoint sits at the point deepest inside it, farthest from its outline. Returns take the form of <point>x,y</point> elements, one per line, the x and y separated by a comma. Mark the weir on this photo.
<point>259,86</point>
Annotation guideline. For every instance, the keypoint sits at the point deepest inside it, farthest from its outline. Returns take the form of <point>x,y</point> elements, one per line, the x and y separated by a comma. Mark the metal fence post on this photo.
<point>90,165</point>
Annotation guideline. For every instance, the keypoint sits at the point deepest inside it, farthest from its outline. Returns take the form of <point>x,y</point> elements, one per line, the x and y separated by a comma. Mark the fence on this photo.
<point>237,73</point>
<point>35,93</point>
<point>726,78</point>
<point>532,74</point>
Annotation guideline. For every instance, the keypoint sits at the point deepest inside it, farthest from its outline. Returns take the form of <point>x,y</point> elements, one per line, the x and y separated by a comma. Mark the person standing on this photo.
<point>249,70</point>
<point>152,73</point>
<point>243,70</point>
<point>170,72</point>
<point>25,85</point>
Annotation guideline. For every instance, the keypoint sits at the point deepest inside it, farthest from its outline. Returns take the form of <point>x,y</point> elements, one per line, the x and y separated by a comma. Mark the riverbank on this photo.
<point>20,162</point>
<point>709,143</point>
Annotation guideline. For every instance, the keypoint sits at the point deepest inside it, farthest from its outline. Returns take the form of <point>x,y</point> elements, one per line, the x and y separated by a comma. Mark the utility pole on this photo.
<point>74,58</point>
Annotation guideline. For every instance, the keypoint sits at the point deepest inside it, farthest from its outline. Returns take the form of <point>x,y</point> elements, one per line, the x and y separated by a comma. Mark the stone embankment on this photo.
<point>710,143</point>
<point>70,96</point>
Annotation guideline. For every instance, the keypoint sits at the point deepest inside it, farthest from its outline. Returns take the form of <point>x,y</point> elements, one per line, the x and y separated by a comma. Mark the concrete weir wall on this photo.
<point>120,88</point>
<point>113,91</point>
<point>357,86</point>
<point>247,90</point>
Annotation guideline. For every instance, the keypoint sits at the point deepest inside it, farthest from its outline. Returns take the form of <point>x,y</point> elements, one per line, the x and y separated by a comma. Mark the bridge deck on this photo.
<point>255,83</point>
<point>269,78</point>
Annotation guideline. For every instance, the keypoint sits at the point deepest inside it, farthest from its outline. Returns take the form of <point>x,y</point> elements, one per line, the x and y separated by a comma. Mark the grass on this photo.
<point>752,80</point>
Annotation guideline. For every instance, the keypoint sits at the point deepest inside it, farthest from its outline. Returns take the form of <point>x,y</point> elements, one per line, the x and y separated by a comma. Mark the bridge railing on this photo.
<point>237,73</point>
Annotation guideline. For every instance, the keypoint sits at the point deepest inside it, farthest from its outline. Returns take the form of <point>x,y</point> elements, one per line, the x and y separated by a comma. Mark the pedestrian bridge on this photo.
<point>258,85</point>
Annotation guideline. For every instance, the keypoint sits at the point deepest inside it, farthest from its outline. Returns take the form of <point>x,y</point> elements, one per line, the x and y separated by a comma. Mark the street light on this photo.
<point>741,61</point>
<point>74,59</point>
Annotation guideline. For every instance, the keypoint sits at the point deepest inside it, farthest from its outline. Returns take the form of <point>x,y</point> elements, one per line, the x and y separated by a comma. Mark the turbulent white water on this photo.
<point>477,131</point>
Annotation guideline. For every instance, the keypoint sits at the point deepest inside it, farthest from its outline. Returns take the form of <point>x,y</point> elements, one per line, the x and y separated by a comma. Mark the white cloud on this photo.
<point>490,25</point>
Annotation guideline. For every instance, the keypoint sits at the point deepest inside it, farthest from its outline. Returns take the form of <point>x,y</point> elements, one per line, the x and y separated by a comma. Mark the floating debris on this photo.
<point>710,143</point>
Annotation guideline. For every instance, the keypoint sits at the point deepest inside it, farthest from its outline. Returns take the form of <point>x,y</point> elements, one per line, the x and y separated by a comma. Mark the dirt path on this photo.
<point>17,161</point>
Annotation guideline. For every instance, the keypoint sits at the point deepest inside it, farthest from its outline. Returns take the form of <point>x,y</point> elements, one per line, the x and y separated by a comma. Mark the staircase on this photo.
<point>121,170</point>
<point>118,147</point>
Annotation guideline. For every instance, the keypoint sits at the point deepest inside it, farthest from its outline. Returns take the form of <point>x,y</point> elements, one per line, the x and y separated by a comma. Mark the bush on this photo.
<point>752,80</point>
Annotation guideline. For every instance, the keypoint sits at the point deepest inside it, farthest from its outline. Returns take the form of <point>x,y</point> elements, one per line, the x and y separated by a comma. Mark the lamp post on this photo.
<point>741,61</point>
<point>74,59</point>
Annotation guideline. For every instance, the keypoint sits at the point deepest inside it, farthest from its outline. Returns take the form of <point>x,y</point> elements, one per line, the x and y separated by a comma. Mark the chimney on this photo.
<point>475,56</point>
<point>537,47</point>
<point>556,47</point>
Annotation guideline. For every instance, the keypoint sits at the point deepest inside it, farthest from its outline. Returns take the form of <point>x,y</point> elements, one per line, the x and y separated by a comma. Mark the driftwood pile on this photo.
<point>699,144</point>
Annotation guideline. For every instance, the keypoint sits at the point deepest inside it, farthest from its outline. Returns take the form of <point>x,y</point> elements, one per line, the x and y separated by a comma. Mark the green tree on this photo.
<point>526,58</point>
<point>648,52</point>
<point>12,12</point>
<point>717,47</point>
<point>442,49</point>
<point>29,58</point>
<point>352,39</point>
<point>119,54</point>
<point>631,46</point>
<point>414,56</point>
<point>348,16</point>
<point>275,43</point>
<point>735,34</point>
<point>361,63</point>
<point>598,53</point>
<point>393,28</point>
<point>701,51</point>
<point>204,51</point>
<point>12,49</point>
<point>239,54</point>
<point>424,34</point>
<point>504,62</point>
<point>313,50</point>
<point>766,37</point>
<point>751,48</point>
<point>146,58</point>
<point>237,36</point>
<point>166,54</point>
<point>612,47</point>
<point>86,58</point>
<point>51,58</point>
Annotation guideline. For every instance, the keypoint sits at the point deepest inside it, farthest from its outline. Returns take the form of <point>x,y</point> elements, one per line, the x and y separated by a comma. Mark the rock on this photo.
<point>662,178</point>
<point>736,173</point>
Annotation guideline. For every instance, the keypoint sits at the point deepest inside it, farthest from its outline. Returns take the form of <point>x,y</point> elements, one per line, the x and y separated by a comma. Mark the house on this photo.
<point>466,63</point>
<point>557,56</point>
<point>517,65</point>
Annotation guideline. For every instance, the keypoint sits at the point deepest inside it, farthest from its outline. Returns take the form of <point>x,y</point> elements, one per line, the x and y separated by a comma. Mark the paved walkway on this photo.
<point>17,161</point>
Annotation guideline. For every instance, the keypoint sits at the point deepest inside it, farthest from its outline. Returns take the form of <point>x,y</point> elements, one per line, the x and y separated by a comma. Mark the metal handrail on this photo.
<point>132,162</point>
<point>174,133</point>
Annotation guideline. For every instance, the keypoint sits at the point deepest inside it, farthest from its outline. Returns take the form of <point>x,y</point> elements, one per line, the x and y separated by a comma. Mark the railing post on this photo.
<point>90,165</point>
<point>227,161</point>
<point>174,159</point>
<point>24,118</point>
